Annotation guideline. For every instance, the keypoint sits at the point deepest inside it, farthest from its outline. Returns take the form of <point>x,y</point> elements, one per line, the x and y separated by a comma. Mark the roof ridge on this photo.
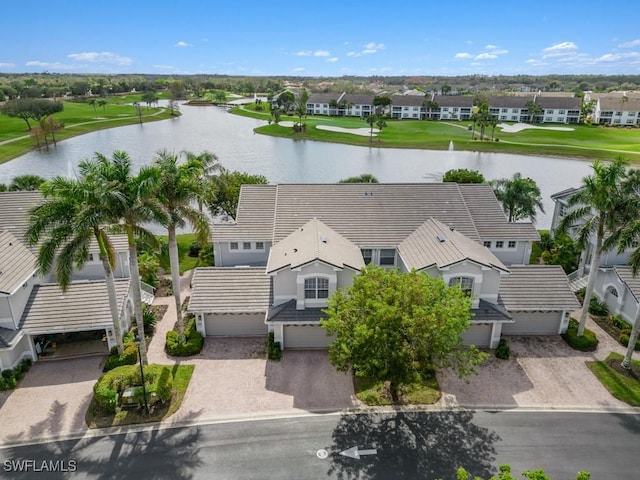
<point>466,208</point>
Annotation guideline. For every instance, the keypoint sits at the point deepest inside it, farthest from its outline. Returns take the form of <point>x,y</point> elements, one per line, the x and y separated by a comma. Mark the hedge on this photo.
<point>586,343</point>
<point>129,356</point>
<point>192,345</point>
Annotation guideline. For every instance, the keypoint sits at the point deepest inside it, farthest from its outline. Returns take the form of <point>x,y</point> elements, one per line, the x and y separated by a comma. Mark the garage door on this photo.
<point>235,325</point>
<point>533,323</point>
<point>306,336</point>
<point>478,335</point>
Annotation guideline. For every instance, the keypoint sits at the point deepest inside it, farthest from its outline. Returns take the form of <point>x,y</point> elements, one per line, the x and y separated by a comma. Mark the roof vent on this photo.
<point>442,237</point>
<point>295,250</point>
<point>452,229</point>
<point>323,239</point>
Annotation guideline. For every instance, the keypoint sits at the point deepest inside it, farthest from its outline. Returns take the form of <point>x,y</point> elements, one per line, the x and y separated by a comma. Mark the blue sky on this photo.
<point>322,38</point>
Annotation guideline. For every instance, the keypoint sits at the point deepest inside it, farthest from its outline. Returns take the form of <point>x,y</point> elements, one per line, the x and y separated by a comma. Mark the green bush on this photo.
<point>580,294</point>
<point>129,337</point>
<point>619,322</point>
<point>624,340</point>
<point>129,357</point>
<point>165,385</point>
<point>503,351</point>
<point>192,344</point>
<point>586,343</point>
<point>3,384</point>
<point>598,308</point>
<point>149,319</point>
<point>194,249</point>
<point>273,348</point>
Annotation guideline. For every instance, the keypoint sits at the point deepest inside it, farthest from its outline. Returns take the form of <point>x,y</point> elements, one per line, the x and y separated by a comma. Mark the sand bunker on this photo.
<point>364,132</point>
<point>517,127</point>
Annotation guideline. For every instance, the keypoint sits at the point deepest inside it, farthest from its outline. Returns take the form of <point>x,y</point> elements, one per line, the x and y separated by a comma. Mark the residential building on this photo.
<point>407,106</point>
<point>510,108</point>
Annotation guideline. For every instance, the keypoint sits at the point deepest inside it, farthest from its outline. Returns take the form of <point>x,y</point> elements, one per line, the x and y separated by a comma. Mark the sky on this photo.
<point>324,38</point>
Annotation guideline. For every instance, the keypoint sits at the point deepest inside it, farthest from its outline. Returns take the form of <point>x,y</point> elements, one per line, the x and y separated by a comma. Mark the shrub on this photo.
<point>3,384</point>
<point>586,343</point>
<point>194,249</point>
<point>129,337</point>
<point>619,322</point>
<point>192,344</point>
<point>129,356</point>
<point>598,308</point>
<point>114,382</point>
<point>273,348</point>
<point>580,294</point>
<point>503,351</point>
<point>7,374</point>
<point>624,340</point>
<point>206,256</point>
<point>165,385</point>
<point>149,319</point>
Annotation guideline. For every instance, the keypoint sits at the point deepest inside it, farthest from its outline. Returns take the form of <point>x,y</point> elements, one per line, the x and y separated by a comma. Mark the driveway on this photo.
<point>52,399</point>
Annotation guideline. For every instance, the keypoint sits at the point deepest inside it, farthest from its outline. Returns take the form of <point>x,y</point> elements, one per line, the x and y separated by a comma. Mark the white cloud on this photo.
<point>57,65</point>
<point>368,51</point>
<point>353,54</point>
<point>499,52</point>
<point>313,53</point>
<point>298,69</point>
<point>7,65</point>
<point>631,44</point>
<point>182,44</point>
<point>321,53</point>
<point>164,67</point>
<point>533,61</point>
<point>101,57</point>
<point>614,57</point>
<point>463,55</point>
<point>486,56</point>
<point>563,48</point>
<point>490,47</point>
<point>375,46</point>
<point>332,60</point>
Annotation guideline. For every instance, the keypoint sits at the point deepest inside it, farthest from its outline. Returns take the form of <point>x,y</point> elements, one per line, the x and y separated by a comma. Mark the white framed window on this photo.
<point>465,284</point>
<point>387,257</point>
<point>259,245</point>
<point>367,255</point>
<point>233,245</point>
<point>316,287</point>
<point>511,244</point>
<point>487,243</point>
<point>499,244</point>
<point>246,245</point>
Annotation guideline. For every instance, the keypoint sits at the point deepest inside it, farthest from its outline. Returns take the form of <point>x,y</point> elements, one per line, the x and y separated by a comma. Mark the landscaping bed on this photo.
<point>374,393</point>
<point>623,384</point>
<point>615,326</point>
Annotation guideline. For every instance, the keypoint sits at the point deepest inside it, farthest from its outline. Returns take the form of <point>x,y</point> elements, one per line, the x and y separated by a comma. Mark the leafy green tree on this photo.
<point>26,182</point>
<point>429,106</point>
<point>534,110</point>
<point>286,100</point>
<point>519,196</point>
<point>597,204</point>
<point>381,102</point>
<point>70,218</point>
<point>505,474</point>
<point>31,108</point>
<point>149,97</point>
<point>178,185</point>
<point>463,175</point>
<point>560,250</point>
<point>586,111</point>
<point>93,102</point>
<point>102,103</point>
<point>149,266</point>
<point>227,188</point>
<point>128,202</point>
<point>399,327</point>
<point>364,178</point>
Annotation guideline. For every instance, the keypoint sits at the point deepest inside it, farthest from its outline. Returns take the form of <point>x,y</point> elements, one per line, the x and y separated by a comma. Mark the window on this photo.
<point>388,257</point>
<point>465,284</point>
<point>561,112</point>
<point>504,110</point>
<point>487,244</point>
<point>499,244</point>
<point>316,287</point>
<point>259,245</point>
<point>563,210</point>
<point>246,245</point>
<point>233,246</point>
<point>613,292</point>
<point>367,255</point>
<point>514,110</point>
<point>512,244</point>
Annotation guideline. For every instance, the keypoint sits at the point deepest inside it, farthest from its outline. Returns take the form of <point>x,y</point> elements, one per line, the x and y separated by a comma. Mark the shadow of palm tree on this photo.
<point>412,445</point>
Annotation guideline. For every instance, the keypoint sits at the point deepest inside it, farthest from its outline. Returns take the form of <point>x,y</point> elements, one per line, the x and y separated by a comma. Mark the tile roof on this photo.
<point>537,287</point>
<point>407,100</point>
<point>17,263</point>
<point>288,313</point>
<point>614,104</point>
<point>490,312</point>
<point>14,211</point>
<point>7,337</point>
<point>435,244</point>
<point>453,101</point>
<point>323,97</point>
<point>569,103</point>
<point>230,290</point>
<point>626,276</point>
<point>508,101</point>
<point>314,241</point>
<point>84,306</point>
<point>359,98</point>
<point>254,220</point>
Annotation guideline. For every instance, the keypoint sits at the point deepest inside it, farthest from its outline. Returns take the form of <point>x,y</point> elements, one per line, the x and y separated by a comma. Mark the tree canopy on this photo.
<point>31,109</point>
<point>505,474</point>
<point>520,197</point>
<point>363,178</point>
<point>399,327</point>
<point>463,175</point>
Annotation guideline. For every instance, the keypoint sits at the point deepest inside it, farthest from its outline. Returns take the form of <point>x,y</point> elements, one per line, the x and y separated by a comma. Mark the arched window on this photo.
<point>465,283</point>
<point>316,287</point>
<point>613,292</point>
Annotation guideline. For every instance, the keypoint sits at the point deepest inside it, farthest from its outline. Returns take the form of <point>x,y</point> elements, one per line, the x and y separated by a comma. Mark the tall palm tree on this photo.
<point>211,167</point>
<point>598,204</point>
<point>68,220</point>
<point>128,202</point>
<point>179,185</point>
<point>519,196</point>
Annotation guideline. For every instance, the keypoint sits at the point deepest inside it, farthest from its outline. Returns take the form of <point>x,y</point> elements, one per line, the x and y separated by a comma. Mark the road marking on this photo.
<point>322,454</point>
<point>353,452</point>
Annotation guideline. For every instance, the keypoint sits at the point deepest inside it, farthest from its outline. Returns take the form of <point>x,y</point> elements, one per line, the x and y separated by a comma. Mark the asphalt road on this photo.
<point>396,446</point>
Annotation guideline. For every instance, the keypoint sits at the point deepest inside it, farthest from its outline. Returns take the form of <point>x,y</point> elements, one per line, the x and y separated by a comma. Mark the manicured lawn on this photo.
<point>97,418</point>
<point>77,118</point>
<point>622,384</point>
<point>374,393</point>
<point>186,262</point>
<point>583,141</point>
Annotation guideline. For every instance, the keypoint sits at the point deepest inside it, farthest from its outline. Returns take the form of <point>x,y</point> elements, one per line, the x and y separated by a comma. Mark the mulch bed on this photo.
<point>616,364</point>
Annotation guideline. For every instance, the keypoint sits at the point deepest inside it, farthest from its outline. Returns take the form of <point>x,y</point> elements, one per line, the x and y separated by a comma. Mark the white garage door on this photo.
<point>533,323</point>
<point>306,336</point>
<point>478,335</point>
<point>235,325</point>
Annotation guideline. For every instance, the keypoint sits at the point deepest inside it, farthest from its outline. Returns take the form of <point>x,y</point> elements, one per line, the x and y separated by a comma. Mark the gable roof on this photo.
<point>510,101</point>
<point>84,306</point>
<point>14,211</point>
<point>568,103</point>
<point>407,100</point>
<point>254,219</point>
<point>435,244</point>
<point>324,97</point>
<point>17,263</point>
<point>453,101</point>
<point>537,287</point>
<point>230,290</point>
<point>314,241</point>
<point>625,274</point>
<point>359,98</point>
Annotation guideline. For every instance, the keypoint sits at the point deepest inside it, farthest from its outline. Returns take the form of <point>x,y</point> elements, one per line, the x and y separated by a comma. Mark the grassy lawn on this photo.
<point>97,418</point>
<point>622,384</point>
<point>74,117</point>
<point>186,262</point>
<point>583,141</point>
<point>374,393</point>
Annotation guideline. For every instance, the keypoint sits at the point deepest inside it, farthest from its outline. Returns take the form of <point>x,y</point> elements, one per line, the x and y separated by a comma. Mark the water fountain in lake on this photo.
<point>451,146</point>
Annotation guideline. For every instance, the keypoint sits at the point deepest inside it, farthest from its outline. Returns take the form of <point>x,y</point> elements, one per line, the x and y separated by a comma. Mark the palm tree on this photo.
<point>92,102</point>
<point>520,197</point>
<point>598,203</point>
<point>26,182</point>
<point>178,186</point>
<point>128,202</point>
<point>69,220</point>
<point>103,103</point>
<point>210,168</point>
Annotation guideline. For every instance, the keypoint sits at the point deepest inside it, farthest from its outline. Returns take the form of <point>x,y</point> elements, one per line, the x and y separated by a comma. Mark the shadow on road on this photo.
<point>412,445</point>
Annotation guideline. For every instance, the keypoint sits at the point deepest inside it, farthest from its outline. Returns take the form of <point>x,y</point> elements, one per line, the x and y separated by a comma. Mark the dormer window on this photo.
<point>465,284</point>
<point>387,257</point>
<point>316,287</point>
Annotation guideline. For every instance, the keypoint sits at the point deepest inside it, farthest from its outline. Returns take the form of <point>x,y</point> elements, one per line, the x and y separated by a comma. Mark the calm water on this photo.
<point>232,139</point>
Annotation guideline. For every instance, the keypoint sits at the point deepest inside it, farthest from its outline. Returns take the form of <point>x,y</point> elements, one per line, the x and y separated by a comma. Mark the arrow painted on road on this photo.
<point>353,452</point>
